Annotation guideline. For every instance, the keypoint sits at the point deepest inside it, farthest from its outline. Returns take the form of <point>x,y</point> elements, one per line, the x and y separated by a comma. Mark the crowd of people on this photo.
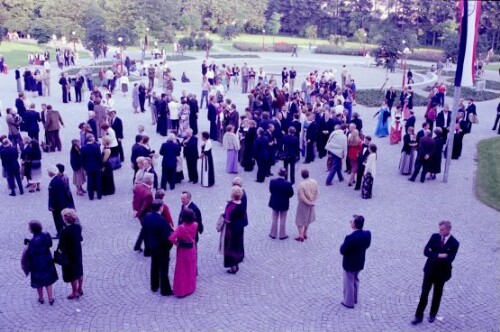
<point>284,123</point>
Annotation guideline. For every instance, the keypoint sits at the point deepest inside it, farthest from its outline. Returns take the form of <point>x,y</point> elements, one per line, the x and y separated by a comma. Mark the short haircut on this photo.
<point>35,226</point>
<point>186,193</point>
<point>156,205</point>
<point>282,172</point>
<point>236,193</point>
<point>446,223</point>
<point>304,173</point>
<point>205,135</point>
<point>160,194</point>
<point>138,138</point>
<point>359,221</point>
<point>148,179</point>
<point>188,216</point>
<point>69,215</point>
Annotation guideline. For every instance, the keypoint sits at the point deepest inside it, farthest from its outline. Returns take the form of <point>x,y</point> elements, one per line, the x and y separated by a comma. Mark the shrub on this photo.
<point>427,55</point>
<point>331,49</point>
<point>201,43</point>
<point>249,47</point>
<point>233,56</point>
<point>373,98</point>
<point>283,47</point>
<point>337,40</point>
<point>187,43</point>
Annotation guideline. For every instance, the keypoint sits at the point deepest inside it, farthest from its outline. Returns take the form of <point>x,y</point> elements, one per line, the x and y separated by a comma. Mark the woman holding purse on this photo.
<point>185,266</point>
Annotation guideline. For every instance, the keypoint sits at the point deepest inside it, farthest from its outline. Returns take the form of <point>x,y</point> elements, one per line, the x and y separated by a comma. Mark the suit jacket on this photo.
<point>21,108</point>
<point>440,268</point>
<point>93,126</point>
<point>354,248</point>
<point>291,148</point>
<point>440,121</point>
<point>13,123</point>
<point>141,202</point>
<point>31,119</point>
<point>92,158</point>
<point>53,120</point>
<point>138,151</point>
<point>151,170</point>
<point>90,105</point>
<point>410,122</point>
<point>59,194</point>
<point>199,219</point>
<point>281,192</point>
<point>156,232</point>
<point>191,148</point>
<point>9,156</point>
<point>170,150</point>
<point>426,146</point>
<point>117,126</point>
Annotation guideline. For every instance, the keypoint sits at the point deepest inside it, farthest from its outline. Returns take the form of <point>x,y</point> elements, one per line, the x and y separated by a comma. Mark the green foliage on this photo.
<point>337,40</point>
<point>228,32</point>
<point>273,24</point>
<point>190,21</point>
<point>196,41</point>
<point>374,97</point>
<point>311,31</point>
<point>96,35</point>
<point>42,32</point>
<point>332,49</point>
<point>249,47</point>
<point>488,174</point>
<point>233,56</point>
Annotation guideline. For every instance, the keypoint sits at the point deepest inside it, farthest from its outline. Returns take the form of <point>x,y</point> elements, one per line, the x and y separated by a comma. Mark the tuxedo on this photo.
<point>156,233</point>
<point>443,123</point>
<point>437,271</point>
<point>191,154</point>
<point>117,125</point>
<point>197,213</point>
<point>169,150</point>
<point>92,163</point>
<point>365,152</point>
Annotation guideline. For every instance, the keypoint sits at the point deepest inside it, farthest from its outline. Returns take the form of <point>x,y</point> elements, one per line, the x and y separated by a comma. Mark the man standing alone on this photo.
<point>440,252</point>
<point>281,191</point>
<point>353,249</point>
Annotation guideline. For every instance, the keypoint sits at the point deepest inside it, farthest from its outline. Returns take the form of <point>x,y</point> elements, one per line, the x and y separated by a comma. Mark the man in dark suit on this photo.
<point>311,135</point>
<point>353,249</point>
<point>191,154</point>
<point>426,149</point>
<point>31,119</point>
<point>365,152</point>
<point>9,156</point>
<point>92,164</point>
<point>169,150</point>
<point>138,150</point>
<point>390,96</point>
<point>187,203</point>
<point>291,153</point>
<point>262,152</point>
<point>443,121</point>
<point>440,252</point>
<point>90,104</point>
<point>281,192</point>
<point>60,197</point>
<point>117,125</point>
<point>411,120</point>
<point>21,108</point>
<point>156,231</point>
<point>141,204</point>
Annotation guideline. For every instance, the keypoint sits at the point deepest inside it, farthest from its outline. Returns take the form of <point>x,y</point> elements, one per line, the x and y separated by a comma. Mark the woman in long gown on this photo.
<point>234,215</point>
<point>108,182</point>
<point>437,155</point>
<point>231,144</point>
<point>396,130</point>
<point>207,161</point>
<point>460,130</point>
<point>212,117</point>
<point>247,161</point>
<point>408,152</point>
<point>383,123</point>
<point>70,244</point>
<point>183,120</point>
<point>185,265</point>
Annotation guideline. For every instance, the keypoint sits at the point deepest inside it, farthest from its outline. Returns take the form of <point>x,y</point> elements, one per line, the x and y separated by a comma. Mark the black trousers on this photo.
<point>290,163</point>
<point>309,152</point>
<point>423,164</point>
<point>119,148</point>
<point>427,284</point>
<point>496,123</point>
<point>78,95</point>
<point>140,239</point>
<point>359,176</point>
<point>33,135</point>
<point>58,220</point>
<point>94,184</point>
<point>263,167</point>
<point>168,175</point>
<point>159,271</point>
<point>54,140</point>
<point>192,166</point>
<point>142,101</point>
<point>13,177</point>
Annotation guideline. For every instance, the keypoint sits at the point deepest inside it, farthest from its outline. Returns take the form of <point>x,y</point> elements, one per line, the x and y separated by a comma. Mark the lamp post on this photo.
<point>120,40</point>
<point>263,35</point>
<point>403,63</point>
<point>206,46</point>
<point>74,40</point>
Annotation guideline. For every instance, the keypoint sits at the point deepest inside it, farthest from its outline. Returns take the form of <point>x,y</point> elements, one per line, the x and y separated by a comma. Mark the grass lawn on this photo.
<point>488,172</point>
<point>493,66</point>
<point>16,54</point>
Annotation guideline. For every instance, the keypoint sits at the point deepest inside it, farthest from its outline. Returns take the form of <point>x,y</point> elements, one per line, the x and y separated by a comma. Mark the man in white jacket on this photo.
<point>337,148</point>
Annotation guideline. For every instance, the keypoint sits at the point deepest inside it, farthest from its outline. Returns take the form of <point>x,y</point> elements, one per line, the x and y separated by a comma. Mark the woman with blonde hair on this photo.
<point>70,246</point>
<point>354,147</point>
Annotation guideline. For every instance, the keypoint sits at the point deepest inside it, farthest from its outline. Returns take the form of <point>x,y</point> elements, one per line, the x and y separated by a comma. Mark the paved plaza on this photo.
<point>281,285</point>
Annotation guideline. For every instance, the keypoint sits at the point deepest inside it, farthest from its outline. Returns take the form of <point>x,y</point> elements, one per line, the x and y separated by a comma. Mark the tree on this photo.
<point>311,31</point>
<point>96,36</point>
<point>190,21</point>
<point>273,24</point>
<point>41,31</point>
<point>18,14</point>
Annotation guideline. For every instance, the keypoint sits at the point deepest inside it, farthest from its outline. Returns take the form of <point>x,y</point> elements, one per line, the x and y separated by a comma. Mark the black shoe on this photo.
<point>154,290</point>
<point>284,237</point>
<point>416,321</point>
<point>51,302</point>
<point>13,193</point>
<point>272,237</point>
<point>410,179</point>
<point>138,249</point>
<point>167,293</point>
<point>432,319</point>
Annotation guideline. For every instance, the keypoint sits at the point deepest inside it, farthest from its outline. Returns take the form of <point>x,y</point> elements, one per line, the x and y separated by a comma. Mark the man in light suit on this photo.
<point>281,192</point>
<point>440,252</point>
<point>353,249</point>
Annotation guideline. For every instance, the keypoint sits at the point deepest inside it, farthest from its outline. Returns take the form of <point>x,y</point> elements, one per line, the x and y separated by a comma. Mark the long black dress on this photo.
<point>107,178</point>
<point>212,117</point>
<point>435,167</point>
<point>162,123</point>
<point>234,251</point>
<point>458,140</point>
<point>247,161</point>
<point>207,165</point>
<point>70,244</point>
<point>42,269</point>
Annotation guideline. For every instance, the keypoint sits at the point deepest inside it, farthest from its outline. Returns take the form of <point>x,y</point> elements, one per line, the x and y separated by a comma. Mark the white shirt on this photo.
<point>173,107</point>
<point>371,164</point>
<point>113,142</point>
<point>109,74</point>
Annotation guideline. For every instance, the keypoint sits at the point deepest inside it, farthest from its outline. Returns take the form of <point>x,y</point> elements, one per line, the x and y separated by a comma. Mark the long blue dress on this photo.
<point>383,122</point>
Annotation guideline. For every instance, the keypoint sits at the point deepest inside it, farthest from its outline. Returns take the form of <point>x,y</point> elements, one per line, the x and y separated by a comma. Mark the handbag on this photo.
<point>220,223</point>
<point>60,258</point>
<point>114,162</point>
<point>24,261</point>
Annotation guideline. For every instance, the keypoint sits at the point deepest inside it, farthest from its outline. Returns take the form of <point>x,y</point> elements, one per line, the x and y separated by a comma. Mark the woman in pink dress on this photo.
<point>185,267</point>
<point>396,129</point>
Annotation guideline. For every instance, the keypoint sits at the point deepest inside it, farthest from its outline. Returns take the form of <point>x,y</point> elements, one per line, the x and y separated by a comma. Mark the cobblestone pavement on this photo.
<point>282,285</point>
